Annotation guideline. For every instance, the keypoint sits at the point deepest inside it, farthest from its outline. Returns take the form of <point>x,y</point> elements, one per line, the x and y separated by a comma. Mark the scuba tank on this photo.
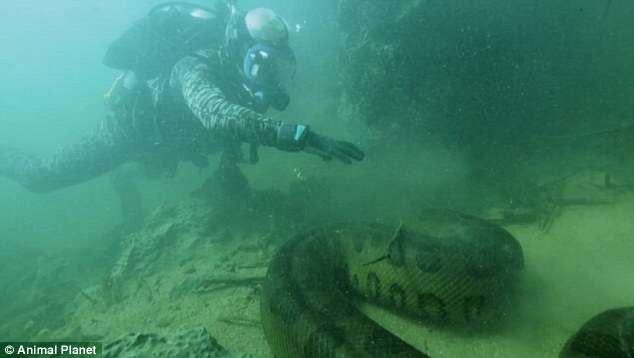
<point>170,31</point>
<point>151,46</point>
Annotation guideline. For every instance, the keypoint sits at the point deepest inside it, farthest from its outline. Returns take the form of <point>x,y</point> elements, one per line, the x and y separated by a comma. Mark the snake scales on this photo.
<point>444,268</point>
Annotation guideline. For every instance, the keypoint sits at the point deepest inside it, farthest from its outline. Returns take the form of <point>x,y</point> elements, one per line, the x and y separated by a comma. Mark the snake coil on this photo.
<point>445,268</point>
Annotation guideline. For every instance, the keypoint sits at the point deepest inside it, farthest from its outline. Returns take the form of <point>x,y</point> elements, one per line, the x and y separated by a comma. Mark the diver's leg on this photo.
<point>83,161</point>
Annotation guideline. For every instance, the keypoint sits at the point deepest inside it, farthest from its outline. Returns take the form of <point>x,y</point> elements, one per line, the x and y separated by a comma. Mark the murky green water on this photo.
<point>489,108</point>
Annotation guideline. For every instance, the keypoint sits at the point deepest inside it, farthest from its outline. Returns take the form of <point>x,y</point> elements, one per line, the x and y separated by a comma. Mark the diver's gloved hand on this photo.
<point>296,137</point>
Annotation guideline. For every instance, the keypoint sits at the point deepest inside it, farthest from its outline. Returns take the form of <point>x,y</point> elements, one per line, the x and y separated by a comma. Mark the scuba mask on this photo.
<point>268,71</point>
<point>258,42</point>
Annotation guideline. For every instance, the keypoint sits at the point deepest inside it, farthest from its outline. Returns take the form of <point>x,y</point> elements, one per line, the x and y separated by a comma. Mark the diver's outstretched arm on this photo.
<point>91,157</point>
<point>194,79</point>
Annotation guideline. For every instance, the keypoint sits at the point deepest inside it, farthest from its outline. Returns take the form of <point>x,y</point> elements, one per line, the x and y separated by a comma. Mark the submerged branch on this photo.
<point>216,284</point>
<point>87,297</point>
<point>581,201</point>
<point>241,321</point>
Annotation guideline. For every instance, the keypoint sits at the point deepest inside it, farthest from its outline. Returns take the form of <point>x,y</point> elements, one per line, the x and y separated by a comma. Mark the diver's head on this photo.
<point>264,25</point>
<point>259,42</point>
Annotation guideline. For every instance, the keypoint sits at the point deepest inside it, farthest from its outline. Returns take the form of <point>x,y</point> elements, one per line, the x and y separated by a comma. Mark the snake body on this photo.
<point>444,268</point>
<point>609,334</point>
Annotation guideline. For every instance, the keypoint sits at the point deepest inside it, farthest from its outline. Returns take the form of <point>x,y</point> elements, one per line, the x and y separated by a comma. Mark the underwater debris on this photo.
<point>217,284</point>
<point>110,291</point>
<point>142,283</point>
<point>548,217</point>
<point>299,174</point>
<point>165,322</point>
<point>190,271</point>
<point>512,215</point>
<point>87,297</point>
<point>609,184</point>
<point>581,202</point>
<point>193,343</point>
<point>542,203</point>
<point>255,265</point>
<point>241,321</point>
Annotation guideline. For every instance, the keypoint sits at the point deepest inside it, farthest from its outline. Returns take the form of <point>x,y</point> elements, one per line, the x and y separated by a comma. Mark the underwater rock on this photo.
<point>488,77</point>
<point>172,234</point>
<point>460,66</point>
<point>168,229</point>
<point>185,287</point>
<point>193,343</point>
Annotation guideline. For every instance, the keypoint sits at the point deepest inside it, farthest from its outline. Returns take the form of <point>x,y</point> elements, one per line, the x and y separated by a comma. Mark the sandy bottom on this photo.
<point>581,266</point>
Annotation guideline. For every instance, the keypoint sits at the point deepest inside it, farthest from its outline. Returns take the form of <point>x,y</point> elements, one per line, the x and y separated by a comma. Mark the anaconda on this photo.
<point>445,268</point>
<point>609,334</point>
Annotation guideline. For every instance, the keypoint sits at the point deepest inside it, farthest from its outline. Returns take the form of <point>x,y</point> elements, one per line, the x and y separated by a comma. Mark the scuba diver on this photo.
<point>195,81</point>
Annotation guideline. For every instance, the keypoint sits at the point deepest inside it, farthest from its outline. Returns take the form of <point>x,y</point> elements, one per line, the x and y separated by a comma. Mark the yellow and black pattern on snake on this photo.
<point>445,268</point>
<point>607,335</point>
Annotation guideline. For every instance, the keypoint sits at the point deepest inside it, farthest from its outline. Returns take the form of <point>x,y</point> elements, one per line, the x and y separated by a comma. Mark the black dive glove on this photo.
<point>297,137</point>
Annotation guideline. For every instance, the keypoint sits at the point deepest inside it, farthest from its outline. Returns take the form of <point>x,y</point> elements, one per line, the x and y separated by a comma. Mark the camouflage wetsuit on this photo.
<point>199,107</point>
